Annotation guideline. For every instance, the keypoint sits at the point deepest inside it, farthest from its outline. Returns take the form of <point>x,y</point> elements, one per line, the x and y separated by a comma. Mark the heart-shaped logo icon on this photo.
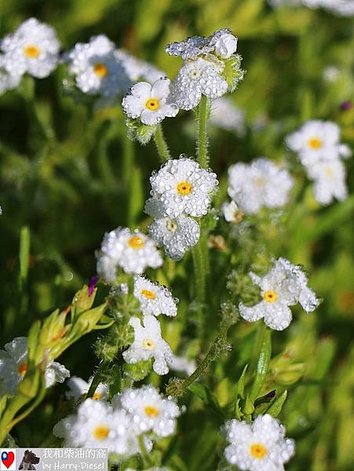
<point>7,458</point>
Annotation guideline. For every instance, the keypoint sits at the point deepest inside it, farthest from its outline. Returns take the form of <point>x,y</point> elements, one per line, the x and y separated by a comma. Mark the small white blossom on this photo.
<point>283,286</point>
<point>147,344</point>
<point>317,141</point>
<point>149,410</point>
<point>79,387</point>
<point>197,78</point>
<point>32,48</point>
<point>182,364</point>
<point>259,184</point>
<point>14,366</point>
<point>232,212</point>
<point>226,45</point>
<point>97,69</point>
<point>133,251</point>
<point>150,103</point>
<point>225,115</point>
<point>97,425</point>
<point>329,181</point>
<point>182,186</point>
<point>154,299</point>
<point>137,69</point>
<point>260,446</point>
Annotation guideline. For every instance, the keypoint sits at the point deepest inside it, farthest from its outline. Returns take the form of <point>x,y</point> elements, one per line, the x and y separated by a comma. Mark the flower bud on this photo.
<point>226,45</point>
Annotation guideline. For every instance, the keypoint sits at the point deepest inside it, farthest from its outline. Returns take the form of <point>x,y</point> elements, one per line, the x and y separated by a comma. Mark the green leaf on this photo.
<point>204,393</point>
<point>262,364</point>
<point>25,243</point>
<point>276,407</point>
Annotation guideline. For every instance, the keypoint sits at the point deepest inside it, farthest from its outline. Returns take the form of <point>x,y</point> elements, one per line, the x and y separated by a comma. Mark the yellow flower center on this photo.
<point>184,188</point>
<point>148,294</point>
<point>97,396</point>
<point>148,344</point>
<point>100,432</point>
<point>171,225</point>
<point>22,369</point>
<point>151,411</point>
<point>258,450</point>
<point>270,296</point>
<point>152,104</point>
<point>315,143</point>
<point>31,51</point>
<point>101,70</point>
<point>136,242</point>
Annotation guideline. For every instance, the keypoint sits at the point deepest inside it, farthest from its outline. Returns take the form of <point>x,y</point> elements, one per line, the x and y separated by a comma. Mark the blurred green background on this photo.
<point>61,176</point>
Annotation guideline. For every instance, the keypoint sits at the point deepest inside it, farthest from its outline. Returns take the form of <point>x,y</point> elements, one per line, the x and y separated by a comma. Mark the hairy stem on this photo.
<point>202,141</point>
<point>161,144</point>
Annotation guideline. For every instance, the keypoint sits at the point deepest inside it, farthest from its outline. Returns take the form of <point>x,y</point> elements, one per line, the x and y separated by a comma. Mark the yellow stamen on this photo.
<point>97,396</point>
<point>148,344</point>
<point>151,411</point>
<point>148,294</point>
<point>184,188</point>
<point>270,296</point>
<point>22,369</point>
<point>315,143</point>
<point>31,51</point>
<point>136,242</point>
<point>101,70</point>
<point>100,432</point>
<point>171,225</point>
<point>258,450</point>
<point>152,104</point>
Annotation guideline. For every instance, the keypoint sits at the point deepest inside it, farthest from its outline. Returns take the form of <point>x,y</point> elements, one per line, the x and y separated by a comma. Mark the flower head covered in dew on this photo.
<point>147,344</point>
<point>154,299</point>
<point>78,387</point>
<point>176,235</point>
<point>98,425</point>
<point>14,366</point>
<point>149,410</point>
<point>32,48</point>
<point>132,251</point>
<point>150,103</point>
<point>210,68</point>
<point>259,184</point>
<point>259,446</point>
<point>97,69</point>
<point>283,286</point>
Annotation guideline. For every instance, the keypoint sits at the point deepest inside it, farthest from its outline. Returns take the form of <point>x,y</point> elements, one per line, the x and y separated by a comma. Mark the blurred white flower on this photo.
<point>182,364</point>
<point>149,410</point>
<point>147,344</point>
<point>182,186</point>
<point>283,286</point>
<point>78,387</point>
<point>32,48</point>
<point>225,115</point>
<point>232,212</point>
<point>260,446</point>
<point>133,251</point>
<point>154,299</point>
<point>259,184</point>
<point>329,181</point>
<point>150,103</point>
<point>137,69</point>
<point>8,81</point>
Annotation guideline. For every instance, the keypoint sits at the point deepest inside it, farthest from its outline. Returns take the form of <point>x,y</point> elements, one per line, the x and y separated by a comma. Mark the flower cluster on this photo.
<point>180,189</point>
<point>118,425</point>
<point>14,366</point>
<point>210,68</point>
<point>283,286</point>
<point>259,184</point>
<point>258,446</point>
<point>320,152</point>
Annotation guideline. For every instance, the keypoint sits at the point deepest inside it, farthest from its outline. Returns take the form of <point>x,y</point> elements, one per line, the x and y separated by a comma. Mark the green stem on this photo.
<point>202,142</point>
<point>147,461</point>
<point>161,144</point>
<point>128,158</point>
<point>95,382</point>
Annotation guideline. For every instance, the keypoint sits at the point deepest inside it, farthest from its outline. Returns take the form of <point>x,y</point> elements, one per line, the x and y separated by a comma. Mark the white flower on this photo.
<point>232,212</point>
<point>197,78</point>
<point>182,364</point>
<point>226,45</point>
<point>97,68</point>
<point>137,69</point>
<point>97,425</point>
<point>329,181</point>
<point>14,366</point>
<point>133,251</point>
<point>79,387</point>
<point>147,344</point>
<point>150,103</point>
<point>182,186</point>
<point>149,410</point>
<point>259,184</point>
<point>154,299</point>
<point>225,115</point>
<point>283,286</point>
<point>33,48</point>
<point>8,80</point>
<point>317,141</point>
<point>221,42</point>
<point>260,446</point>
